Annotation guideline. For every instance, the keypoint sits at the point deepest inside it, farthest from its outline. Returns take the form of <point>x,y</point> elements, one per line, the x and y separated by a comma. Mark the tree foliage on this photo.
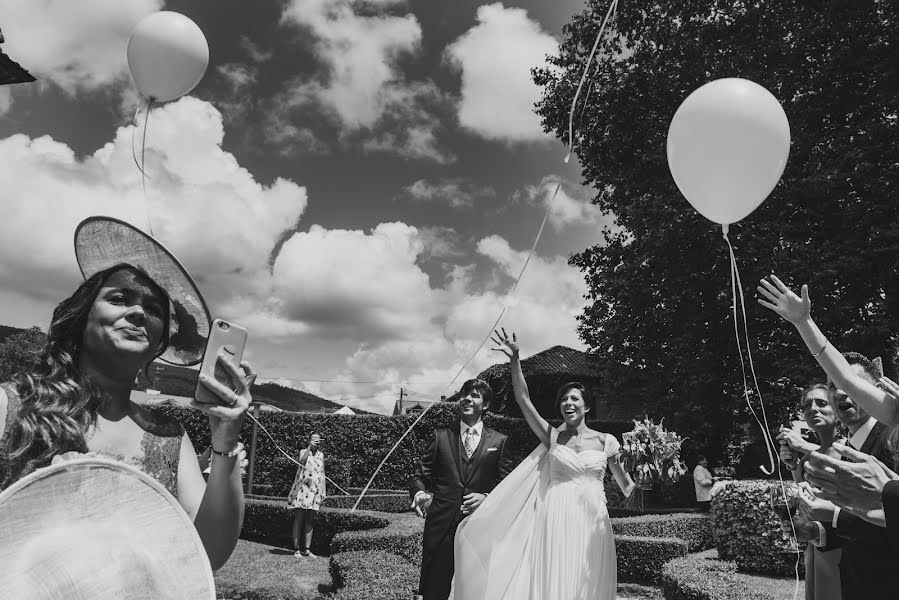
<point>20,352</point>
<point>659,284</point>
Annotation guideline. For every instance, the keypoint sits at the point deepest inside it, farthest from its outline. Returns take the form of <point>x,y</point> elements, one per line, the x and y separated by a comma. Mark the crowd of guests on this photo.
<point>849,489</point>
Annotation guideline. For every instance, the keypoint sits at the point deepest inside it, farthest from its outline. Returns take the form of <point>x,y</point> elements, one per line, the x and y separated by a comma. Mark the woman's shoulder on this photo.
<point>153,420</point>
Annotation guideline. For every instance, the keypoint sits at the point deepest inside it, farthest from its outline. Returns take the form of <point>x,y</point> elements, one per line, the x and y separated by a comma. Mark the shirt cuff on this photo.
<point>836,517</point>
<point>415,498</point>
<point>822,536</point>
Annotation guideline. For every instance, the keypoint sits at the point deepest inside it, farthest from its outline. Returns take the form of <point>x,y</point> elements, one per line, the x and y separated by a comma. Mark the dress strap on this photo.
<point>553,436</point>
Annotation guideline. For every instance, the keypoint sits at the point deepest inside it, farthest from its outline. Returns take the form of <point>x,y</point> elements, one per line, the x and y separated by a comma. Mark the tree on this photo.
<point>659,286</point>
<point>20,351</point>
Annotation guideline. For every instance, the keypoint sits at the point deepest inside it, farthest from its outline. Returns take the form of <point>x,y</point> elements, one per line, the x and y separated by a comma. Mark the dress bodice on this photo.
<point>567,464</point>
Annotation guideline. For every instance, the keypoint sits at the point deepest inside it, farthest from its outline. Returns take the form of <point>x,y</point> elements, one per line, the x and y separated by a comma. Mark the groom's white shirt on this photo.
<point>478,429</point>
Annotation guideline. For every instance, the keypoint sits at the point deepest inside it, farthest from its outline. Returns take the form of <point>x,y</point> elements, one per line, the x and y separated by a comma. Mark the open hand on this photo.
<point>505,344</point>
<point>855,486</point>
<point>816,509</point>
<point>471,502</point>
<point>782,300</point>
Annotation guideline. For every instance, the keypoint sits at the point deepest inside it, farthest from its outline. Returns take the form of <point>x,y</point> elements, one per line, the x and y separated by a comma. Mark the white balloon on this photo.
<point>167,55</point>
<point>728,145</point>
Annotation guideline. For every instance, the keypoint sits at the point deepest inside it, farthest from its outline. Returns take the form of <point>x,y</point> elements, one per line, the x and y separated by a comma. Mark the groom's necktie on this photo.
<point>848,445</point>
<point>470,442</point>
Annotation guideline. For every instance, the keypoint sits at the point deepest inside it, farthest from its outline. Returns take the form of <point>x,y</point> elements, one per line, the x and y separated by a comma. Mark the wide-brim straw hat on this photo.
<point>102,242</point>
<point>96,528</point>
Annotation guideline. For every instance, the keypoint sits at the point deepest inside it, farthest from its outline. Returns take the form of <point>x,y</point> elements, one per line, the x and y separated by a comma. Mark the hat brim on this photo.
<point>102,242</point>
<point>99,496</point>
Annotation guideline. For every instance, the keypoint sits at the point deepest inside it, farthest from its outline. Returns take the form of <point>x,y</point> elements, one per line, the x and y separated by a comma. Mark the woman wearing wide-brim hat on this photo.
<point>137,304</point>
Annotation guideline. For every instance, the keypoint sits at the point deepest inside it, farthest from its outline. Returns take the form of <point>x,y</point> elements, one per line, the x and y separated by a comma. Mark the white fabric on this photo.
<point>702,480</point>
<point>543,533</point>
<point>859,438</point>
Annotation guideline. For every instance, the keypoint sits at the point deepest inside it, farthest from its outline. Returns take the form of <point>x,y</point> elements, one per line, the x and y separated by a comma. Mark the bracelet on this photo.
<point>821,351</point>
<point>234,452</point>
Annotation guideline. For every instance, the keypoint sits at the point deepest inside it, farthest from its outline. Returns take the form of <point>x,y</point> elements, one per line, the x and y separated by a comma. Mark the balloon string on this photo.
<point>289,457</point>
<point>612,7</point>
<point>143,151</point>
<point>737,284</point>
<point>475,353</point>
<point>734,277</point>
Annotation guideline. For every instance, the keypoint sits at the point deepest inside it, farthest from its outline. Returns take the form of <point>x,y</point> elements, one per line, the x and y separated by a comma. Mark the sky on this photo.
<point>356,183</point>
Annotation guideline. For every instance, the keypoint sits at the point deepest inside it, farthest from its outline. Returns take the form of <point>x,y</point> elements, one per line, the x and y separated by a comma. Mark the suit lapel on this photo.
<point>453,436</point>
<point>483,444</point>
<point>872,439</point>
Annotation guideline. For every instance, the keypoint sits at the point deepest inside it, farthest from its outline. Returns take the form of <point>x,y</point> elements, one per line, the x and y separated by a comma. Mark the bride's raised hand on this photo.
<point>505,344</point>
<point>782,300</point>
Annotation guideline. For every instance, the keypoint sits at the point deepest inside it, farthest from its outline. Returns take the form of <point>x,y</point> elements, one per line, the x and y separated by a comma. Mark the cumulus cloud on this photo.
<point>495,58</point>
<point>362,87</point>
<point>79,46</point>
<point>453,192</point>
<point>571,205</point>
<point>211,212</point>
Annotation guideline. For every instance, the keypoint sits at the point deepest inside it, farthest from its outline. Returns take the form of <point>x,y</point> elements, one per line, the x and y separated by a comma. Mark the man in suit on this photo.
<point>462,465</point>
<point>867,554</point>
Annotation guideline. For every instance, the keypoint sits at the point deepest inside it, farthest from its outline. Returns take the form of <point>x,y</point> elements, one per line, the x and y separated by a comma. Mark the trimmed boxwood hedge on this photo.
<point>701,577</point>
<point>355,446</point>
<point>372,575</point>
<point>747,530</point>
<point>694,529</point>
<point>640,558</point>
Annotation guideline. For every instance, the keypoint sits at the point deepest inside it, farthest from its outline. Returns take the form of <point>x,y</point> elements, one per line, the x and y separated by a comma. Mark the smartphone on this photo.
<point>231,337</point>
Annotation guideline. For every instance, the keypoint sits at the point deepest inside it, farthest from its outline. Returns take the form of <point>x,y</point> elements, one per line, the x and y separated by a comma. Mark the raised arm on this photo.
<point>509,346</point>
<point>880,404</point>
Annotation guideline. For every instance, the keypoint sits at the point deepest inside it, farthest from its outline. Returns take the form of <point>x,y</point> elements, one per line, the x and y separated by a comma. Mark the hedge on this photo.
<point>747,530</point>
<point>694,529</point>
<point>639,558</point>
<point>354,446</point>
<point>701,577</point>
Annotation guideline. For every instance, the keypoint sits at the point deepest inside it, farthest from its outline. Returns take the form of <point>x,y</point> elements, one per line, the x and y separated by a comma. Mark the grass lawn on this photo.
<point>256,572</point>
<point>781,588</point>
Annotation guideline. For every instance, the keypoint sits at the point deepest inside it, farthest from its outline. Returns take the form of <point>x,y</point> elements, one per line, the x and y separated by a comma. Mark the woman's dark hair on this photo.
<point>58,404</point>
<point>574,385</point>
<point>481,386</point>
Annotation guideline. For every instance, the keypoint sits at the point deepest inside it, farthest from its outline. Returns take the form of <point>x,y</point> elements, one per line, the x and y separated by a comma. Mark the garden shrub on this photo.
<point>373,575</point>
<point>269,522</point>
<point>700,577</point>
<point>694,529</point>
<point>746,529</point>
<point>640,558</point>
<point>391,503</point>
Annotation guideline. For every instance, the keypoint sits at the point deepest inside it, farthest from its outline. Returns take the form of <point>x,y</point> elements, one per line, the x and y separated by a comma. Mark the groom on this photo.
<point>461,466</point>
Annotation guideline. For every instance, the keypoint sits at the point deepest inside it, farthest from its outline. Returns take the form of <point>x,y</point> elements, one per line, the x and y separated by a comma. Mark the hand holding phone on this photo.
<point>226,342</point>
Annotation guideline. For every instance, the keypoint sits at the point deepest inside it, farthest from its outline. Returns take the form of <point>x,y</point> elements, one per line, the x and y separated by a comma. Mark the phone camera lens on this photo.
<point>224,326</point>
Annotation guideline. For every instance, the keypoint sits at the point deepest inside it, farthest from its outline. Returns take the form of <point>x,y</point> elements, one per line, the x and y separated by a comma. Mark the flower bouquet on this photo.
<point>651,454</point>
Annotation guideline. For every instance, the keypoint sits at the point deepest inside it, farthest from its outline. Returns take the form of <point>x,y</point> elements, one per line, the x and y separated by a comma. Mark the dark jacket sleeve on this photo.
<point>421,481</point>
<point>506,463</point>
<point>890,499</point>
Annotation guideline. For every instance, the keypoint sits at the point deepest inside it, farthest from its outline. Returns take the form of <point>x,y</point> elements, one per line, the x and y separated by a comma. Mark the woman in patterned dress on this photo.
<point>77,400</point>
<point>306,495</point>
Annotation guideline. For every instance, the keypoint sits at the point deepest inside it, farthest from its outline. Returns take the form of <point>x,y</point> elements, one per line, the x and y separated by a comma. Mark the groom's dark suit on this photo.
<point>445,472</point>
<point>867,554</point>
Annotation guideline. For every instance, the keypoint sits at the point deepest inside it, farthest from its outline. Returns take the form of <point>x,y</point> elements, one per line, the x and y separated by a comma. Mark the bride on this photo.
<point>545,532</point>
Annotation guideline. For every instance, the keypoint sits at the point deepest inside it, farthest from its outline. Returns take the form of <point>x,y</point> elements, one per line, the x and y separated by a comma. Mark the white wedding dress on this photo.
<point>544,533</point>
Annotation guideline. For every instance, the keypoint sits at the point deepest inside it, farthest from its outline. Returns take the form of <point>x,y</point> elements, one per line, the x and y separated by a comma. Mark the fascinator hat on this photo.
<point>98,528</point>
<point>102,242</point>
